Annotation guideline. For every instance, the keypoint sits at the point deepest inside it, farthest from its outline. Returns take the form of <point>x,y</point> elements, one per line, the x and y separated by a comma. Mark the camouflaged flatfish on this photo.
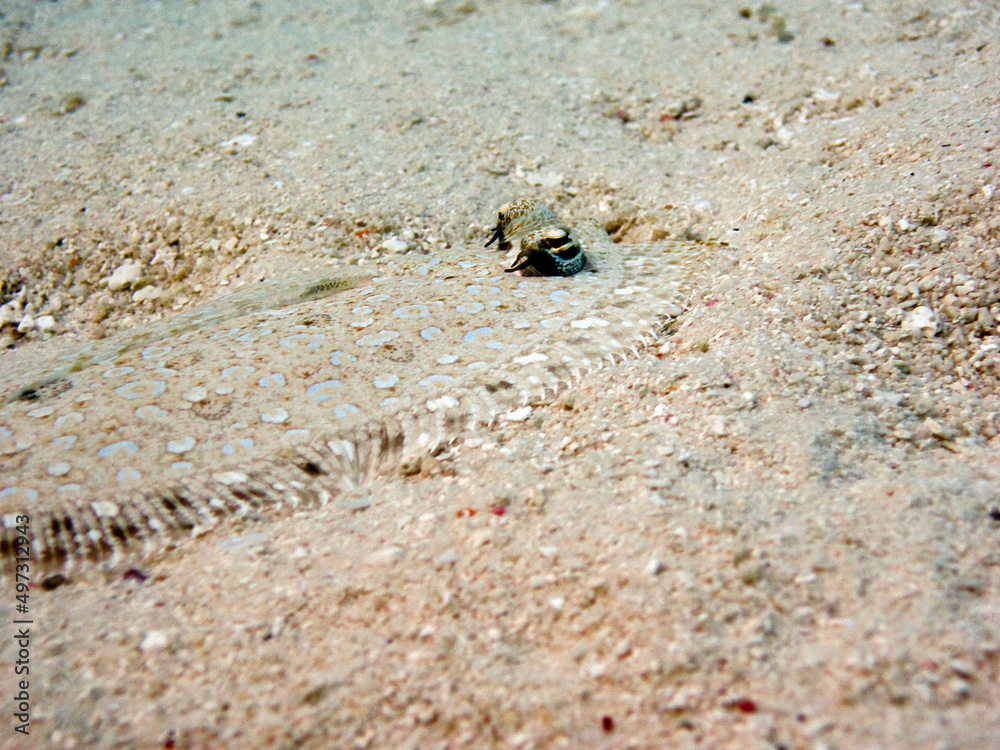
<point>289,392</point>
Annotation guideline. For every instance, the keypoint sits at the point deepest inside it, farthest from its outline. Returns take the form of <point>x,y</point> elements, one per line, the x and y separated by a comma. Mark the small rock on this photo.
<point>935,429</point>
<point>655,567</point>
<point>784,136</point>
<point>233,145</point>
<point>6,341</point>
<point>45,323</point>
<point>543,179</point>
<point>535,497</point>
<point>197,394</point>
<point>26,324</point>
<point>518,415</point>
<point>147,292</point>
<point>9,313</point>
<point>104,509</point>
<point>717,425</point>
<point>155,640</point>
<point>395,245</point>
<point>125,275</point>
<point>69,103</point>
<point>920,318</point>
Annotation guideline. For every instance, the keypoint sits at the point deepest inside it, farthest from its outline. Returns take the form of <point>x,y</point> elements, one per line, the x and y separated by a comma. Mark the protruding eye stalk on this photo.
<point>504,245</point>
<point>547,246</point>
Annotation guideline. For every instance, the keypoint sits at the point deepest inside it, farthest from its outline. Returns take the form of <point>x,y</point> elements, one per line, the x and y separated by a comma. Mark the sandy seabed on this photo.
<point>777,528</point>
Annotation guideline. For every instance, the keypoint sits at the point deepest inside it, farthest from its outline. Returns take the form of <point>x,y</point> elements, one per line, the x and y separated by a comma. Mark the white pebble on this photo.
<point>147,292</point>
<point>395,245</point>
<point>518,415</point>
<point>543,178</point>
<point>124,275</point>
<point>26,324</point>
<point>919,318</point>
<point>155,640</point>
<point>104,509</point>
<point>717,425</point>
<point>939,235</point>
<point>45,323</point>
<point>196,394</point>
<point>241,141</point>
